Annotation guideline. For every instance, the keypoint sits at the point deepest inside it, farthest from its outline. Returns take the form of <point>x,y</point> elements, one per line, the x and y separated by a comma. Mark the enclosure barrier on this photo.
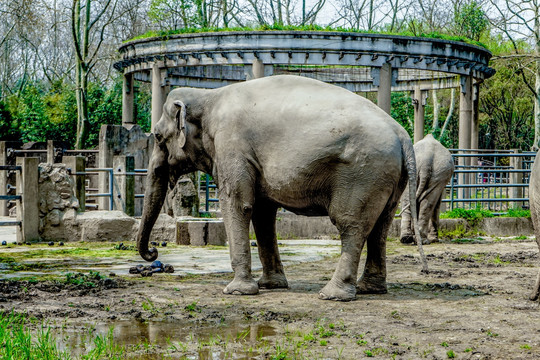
<point>26,198</point>
<point>496,181</point>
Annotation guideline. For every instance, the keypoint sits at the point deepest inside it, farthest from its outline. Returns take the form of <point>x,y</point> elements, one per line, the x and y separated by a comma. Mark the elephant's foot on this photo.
<point>273,281</point>
<point>242,287</point>
<point>339,291</point>
<point>374,285</point>
<point>407,239</point>
<point>410,239</point>
<point>431,240</point>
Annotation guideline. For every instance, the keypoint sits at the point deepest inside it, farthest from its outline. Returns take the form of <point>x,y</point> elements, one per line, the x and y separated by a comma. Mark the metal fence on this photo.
<point>495,180</point>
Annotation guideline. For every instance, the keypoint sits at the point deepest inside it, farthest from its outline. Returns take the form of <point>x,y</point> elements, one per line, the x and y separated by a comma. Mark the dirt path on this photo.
<point>472,305</point>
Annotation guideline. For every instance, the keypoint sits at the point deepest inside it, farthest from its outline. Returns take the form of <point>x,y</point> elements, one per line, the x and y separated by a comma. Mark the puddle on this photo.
<point>173,335</point>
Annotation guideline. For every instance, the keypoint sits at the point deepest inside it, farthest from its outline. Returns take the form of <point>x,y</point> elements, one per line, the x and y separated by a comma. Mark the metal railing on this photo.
<point>498,181</point>
<point>10,197</point>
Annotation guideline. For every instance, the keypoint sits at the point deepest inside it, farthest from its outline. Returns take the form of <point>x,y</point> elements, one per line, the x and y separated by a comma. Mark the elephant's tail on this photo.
<point>410,163</point>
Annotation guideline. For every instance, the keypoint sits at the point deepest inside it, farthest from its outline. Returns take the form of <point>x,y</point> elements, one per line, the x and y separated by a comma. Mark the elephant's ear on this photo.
<point>181,121</point>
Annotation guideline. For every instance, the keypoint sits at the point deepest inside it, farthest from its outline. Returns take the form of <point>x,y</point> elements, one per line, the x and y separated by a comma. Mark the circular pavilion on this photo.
<point>356,61</point>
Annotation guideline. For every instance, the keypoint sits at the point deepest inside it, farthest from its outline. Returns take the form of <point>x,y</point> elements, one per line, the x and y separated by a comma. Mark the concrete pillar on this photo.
<point>27,206</point>
<point>159,95</point>
<point>50,152</point>
<point>475,125</point>
<point>385,88</point>
<point>516,163</point>
<point>3,179</point>
<point>419,102</point>
<point>128,98</point>
<point>124,184</point>
<point>465,124</point>
<point>107,134</point>
<point>77,165</point>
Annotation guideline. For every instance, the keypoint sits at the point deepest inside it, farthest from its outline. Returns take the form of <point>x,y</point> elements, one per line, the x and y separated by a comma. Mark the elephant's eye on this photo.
<point>159,137</point>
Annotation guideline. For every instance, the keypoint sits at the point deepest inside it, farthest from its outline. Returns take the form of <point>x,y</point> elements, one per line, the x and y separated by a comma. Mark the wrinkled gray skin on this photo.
<point>291,142</point>
<point>434,169</point>
<point>534,203</point>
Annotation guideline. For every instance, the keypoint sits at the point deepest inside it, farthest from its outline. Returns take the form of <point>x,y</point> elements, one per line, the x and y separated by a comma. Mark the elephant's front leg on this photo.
<point>236,204</point>
<point>264,223</point>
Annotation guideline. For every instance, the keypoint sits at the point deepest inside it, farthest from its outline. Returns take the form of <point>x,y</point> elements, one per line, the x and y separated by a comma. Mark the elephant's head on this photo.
<point>178,150</point>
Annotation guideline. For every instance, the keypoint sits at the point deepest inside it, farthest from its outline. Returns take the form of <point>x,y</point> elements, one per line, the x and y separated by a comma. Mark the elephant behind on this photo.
<point>434,169</point>
<point>286,141</point>
<point>534,203</point>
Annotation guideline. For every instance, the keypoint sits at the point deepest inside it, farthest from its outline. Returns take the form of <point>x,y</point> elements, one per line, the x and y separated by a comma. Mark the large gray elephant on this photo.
<point>534,203</point>
<point>434,169</point>
<point>292,142</point>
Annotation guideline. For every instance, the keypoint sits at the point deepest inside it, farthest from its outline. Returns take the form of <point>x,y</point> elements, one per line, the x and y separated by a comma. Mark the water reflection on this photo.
<point>170,335</point>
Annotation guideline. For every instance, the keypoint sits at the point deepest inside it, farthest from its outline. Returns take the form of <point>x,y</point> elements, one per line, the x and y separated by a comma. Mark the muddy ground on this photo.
<point>472,305</point>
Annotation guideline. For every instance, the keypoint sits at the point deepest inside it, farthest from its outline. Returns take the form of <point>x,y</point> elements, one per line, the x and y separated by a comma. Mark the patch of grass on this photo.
<point>313,27</point>
<point>458,233</point>
<point>473,216</point>
<point>450,354</point>
<point>517,213</point>
<point>193,307</point>
<point>521,237</point>
<point>368,353</point>
<point>525,346</point>
<point>497,260</point>
<point>323,342</point>
<point>444,344</point>
<point>87,281</point>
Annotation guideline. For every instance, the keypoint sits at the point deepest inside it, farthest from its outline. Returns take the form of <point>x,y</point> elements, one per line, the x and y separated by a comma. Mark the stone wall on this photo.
<point>56,201</point>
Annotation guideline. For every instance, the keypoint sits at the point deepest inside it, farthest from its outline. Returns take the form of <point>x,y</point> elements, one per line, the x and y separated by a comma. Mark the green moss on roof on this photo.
<point>277,27</point>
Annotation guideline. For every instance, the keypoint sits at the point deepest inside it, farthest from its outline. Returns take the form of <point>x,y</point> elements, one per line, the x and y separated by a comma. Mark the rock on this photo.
<point>51,243</point>
<point>146,273</point>
<point>105,226</point>
<point>112,274</point>
<point>253,243</point>
<point>168,268</point>
<point>4,242</point>
<point>164,243</point>
<point>156,264</point>
<point>60,243</point>
<point>153,243</point>
<point>54,217</point>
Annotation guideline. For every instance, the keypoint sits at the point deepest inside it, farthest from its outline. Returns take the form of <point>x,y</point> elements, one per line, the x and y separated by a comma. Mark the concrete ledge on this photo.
<point>291,226</point>
<point>200,232</point>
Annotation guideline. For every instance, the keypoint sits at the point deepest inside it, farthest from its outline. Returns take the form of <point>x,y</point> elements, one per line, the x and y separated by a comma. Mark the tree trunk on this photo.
<point>450,112</point>
<point>436,110</point>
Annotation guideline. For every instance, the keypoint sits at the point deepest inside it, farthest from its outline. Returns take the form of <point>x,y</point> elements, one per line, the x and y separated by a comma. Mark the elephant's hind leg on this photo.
<point>373,279</point>
<point>264,223</point>
<point>354,214</point>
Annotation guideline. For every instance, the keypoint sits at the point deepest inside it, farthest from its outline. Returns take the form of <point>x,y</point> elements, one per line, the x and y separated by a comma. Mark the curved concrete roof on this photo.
<point>344,58</point>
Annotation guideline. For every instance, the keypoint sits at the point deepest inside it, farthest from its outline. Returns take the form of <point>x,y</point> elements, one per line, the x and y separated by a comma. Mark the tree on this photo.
<point>89,20</point>
<point>519,21</point>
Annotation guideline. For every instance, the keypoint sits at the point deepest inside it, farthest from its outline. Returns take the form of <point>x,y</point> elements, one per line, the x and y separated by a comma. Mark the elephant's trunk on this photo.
<point>156,190</point>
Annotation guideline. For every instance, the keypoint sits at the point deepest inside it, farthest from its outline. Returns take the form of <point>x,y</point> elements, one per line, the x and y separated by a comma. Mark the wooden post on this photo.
<point>27,206</point>
<point>124,184</point>
<point>77,165</point>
